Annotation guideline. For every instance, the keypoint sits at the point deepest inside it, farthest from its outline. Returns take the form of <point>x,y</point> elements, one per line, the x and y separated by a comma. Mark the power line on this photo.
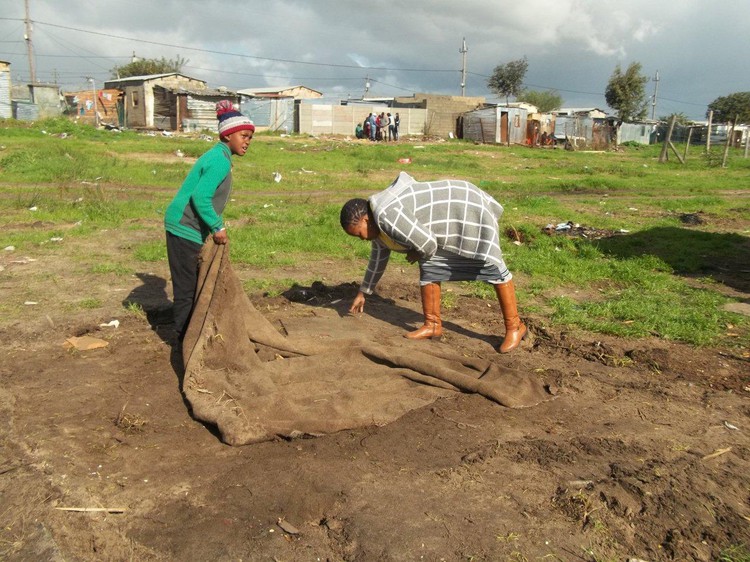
<point>226,53</point>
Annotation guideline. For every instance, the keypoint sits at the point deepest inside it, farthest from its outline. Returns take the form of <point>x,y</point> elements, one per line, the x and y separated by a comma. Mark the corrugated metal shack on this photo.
<point>272,114</point>
<point>6,110</point>
<point>184,109</point>
<point>25,110</point>
<point>274,107</point>
<point>496,125</point>
<point>642,133</point>
<point>585,128</point>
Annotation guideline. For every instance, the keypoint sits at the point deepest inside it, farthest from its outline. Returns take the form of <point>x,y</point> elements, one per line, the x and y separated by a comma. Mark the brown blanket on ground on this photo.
<point>255,384</point>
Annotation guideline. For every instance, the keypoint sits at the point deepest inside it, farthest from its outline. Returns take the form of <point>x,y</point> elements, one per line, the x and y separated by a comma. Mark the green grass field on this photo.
<point>659,277</point>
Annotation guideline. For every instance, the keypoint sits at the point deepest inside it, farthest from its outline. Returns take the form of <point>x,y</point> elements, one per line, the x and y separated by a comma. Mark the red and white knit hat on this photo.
<point>231,120</point>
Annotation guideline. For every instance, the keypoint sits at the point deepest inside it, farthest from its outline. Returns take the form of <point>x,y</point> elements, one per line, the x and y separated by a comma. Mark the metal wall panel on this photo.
<point>6,111</point>
<point>25,111</point>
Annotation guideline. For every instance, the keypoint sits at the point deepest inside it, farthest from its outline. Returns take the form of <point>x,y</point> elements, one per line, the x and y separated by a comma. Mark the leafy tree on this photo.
<point>545,101</point>
<point>506,79</point>
<point>626,92</point>
<point>728,108</point>
<point>144,67</point>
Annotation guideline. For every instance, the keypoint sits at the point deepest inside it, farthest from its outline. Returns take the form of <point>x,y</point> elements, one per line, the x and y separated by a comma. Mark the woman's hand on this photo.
<point>359,303</point>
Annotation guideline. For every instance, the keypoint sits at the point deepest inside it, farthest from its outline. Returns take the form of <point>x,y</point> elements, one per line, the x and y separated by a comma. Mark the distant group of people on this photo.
<point>379,127</point>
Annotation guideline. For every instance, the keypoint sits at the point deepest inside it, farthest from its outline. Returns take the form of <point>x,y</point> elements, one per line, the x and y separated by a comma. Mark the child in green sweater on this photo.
<point>195,212</point>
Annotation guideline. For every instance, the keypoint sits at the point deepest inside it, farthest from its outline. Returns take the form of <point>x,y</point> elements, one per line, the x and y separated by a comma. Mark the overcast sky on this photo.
<point>700,48</point>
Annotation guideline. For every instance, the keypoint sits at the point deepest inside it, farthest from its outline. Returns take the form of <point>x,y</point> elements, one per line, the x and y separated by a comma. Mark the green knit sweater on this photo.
<point>195,212</point>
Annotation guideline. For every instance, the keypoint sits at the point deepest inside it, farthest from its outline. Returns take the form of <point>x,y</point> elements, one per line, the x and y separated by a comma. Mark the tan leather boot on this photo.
<point>433,327</point>
<point>515,330</point>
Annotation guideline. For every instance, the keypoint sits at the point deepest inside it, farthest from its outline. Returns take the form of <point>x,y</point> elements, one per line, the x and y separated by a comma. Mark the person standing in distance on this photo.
<point>195,213</point>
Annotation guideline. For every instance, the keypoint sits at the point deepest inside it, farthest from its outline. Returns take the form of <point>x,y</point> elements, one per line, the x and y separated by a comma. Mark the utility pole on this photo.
<point>653,100</point>
<point>367,86</point>
<point>29,47</point>
<point>93,93</point>
<point>463,50</point>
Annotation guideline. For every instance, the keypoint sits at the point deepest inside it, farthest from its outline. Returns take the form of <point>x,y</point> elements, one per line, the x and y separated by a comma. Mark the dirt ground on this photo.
<point>644,453</point>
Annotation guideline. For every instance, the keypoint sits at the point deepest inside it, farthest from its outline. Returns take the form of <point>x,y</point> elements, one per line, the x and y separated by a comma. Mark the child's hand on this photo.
<point>220,237</point>
<point>412,256</point>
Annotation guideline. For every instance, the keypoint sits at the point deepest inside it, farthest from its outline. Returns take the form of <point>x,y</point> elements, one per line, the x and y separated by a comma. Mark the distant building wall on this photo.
<point>635,132</point>
<point>47,98</point>
<point>81,105</point>
<point>6,111</point>
<point>443,112</point>
<point>323,119</point>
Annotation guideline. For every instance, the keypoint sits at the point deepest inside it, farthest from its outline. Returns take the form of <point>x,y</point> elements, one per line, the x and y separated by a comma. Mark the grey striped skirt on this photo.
<point>447,266</point>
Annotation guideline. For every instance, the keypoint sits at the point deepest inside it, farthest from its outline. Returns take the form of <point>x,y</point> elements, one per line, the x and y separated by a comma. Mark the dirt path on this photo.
<point>644,453</point>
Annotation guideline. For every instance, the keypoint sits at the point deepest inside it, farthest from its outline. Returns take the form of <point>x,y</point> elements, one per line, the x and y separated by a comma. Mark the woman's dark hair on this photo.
<point>353,211</point>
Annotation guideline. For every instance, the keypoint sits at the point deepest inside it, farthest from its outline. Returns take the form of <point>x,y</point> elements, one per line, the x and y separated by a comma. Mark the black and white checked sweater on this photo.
<point>451,215</point>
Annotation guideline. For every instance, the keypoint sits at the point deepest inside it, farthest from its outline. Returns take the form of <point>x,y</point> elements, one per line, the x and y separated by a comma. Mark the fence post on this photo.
<point>730,134</point>
<point>667,140</point>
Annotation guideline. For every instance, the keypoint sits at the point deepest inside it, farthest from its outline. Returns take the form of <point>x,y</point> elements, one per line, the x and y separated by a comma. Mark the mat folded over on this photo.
<point>255,384</point>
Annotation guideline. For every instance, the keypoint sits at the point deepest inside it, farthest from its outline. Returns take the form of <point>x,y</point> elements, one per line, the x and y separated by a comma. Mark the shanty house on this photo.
<point>496,125</point>
<point>583,128</point>
<point>186,109</point>
<point>140,107</point>
<point>274,108</point>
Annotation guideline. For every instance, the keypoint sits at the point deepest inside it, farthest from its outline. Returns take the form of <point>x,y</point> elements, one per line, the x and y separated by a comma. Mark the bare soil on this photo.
<point>644,453</point>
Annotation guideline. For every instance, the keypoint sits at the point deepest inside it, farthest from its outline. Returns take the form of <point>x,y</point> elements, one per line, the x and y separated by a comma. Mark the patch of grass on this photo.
<point>735,553</point>
<point>88,303</point>
<point>134,309</point>
<point>107,268</point>
<point>150,251</point>
<point>268,287</point>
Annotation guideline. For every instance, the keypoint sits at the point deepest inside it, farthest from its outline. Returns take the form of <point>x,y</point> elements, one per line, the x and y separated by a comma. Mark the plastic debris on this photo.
<point>56,239</point>
<point>404,160</point>
<point>287,527</point>
<point>730,426</point>
<point>113,324</point>
<point>276,177</point>
<point>179,153</point>
<point>573,229</point>
<point>30,303</point>
<point>33,208</point>
<point>9,248</point>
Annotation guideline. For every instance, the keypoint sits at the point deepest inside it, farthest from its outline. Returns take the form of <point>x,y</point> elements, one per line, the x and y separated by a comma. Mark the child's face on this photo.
<point>239,141</point>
